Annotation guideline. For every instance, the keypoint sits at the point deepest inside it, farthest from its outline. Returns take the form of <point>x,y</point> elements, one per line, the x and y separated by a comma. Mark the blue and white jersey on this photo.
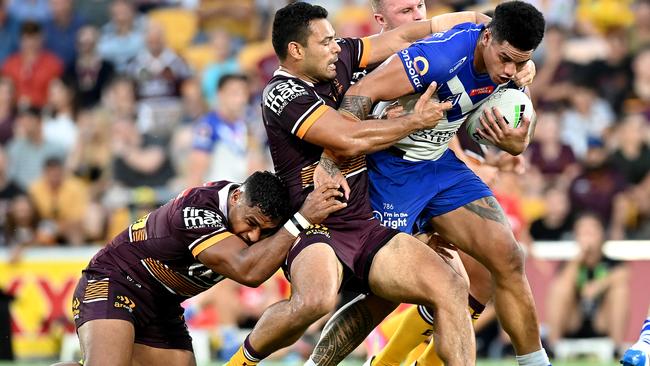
<point>446,58</point>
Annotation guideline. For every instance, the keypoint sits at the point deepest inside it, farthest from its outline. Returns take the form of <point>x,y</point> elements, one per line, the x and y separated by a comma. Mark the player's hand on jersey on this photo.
<point>428,111</point>
<point>441,246</point>
<point>321,202</point>
<point>526,74</point>
<point>496,130</point>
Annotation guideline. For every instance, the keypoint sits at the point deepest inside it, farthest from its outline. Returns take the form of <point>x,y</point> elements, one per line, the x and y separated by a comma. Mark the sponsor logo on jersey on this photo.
<point>282,93</point>
<point>124,302</point>
<point>484,90</point>
<point>198,218</point>
<point>421,64</point>
<point>412,73</point>
<point>317,229</point>
<point>393,220</point>
<point>458,64</point>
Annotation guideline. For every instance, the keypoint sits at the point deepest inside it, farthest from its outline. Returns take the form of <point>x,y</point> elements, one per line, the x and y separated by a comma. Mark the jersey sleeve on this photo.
<point>203,135</point>
<point>354,52</point>
<point>292,106</point>
<point>199,227</point>
<point>439,56</point>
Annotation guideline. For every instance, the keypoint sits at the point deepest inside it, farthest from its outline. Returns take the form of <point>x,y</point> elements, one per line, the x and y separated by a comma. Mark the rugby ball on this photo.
<point>513,105</point>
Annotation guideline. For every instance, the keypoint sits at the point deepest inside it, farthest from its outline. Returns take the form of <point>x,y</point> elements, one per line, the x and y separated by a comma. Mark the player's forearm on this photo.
<point>369,136</point>
<point>258,262</point>
<point>447,21</point>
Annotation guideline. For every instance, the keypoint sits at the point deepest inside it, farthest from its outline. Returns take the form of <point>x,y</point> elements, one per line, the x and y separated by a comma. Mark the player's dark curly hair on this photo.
<point>519,23</point>
<point>291,24</point>
<point>266,191</point>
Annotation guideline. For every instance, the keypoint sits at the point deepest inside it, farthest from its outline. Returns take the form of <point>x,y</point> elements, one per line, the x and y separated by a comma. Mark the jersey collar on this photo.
<point>284,72</point>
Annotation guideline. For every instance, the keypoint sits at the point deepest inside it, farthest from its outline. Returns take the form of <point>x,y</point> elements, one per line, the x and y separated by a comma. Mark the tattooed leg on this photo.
<point>348,327</point>
<point>481,229</point>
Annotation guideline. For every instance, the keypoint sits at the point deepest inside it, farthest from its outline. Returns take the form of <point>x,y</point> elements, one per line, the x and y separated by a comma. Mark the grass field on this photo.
<point>480,363</point>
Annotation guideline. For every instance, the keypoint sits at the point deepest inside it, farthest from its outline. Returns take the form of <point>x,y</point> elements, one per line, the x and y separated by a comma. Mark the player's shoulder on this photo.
<point>203,207</point>
<point>460,33</point>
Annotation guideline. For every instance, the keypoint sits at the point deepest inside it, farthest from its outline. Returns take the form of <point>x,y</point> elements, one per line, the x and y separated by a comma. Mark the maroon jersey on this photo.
<point>160,249</point>
<point>290,106</point>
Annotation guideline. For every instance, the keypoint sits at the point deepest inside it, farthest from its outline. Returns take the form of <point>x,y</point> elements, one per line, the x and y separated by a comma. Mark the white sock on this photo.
<point>644,339</point>
<point>309,362</point>
<point>537,358</point>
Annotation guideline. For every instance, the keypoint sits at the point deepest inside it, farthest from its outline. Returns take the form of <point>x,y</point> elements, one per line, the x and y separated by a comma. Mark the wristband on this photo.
<point>296,224</point>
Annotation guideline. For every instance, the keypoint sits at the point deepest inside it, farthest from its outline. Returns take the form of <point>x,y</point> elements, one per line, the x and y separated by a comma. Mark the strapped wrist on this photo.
<point>296,224</point>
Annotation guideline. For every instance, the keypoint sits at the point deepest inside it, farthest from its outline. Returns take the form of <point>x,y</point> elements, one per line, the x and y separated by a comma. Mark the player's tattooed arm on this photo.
<point>328,171</point>
<point>488,208</point>
<point>356,105</point>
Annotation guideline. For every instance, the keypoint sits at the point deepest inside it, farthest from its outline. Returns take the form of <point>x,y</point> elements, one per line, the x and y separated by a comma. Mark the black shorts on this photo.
<point>355,246</point>
<point>158,320</point>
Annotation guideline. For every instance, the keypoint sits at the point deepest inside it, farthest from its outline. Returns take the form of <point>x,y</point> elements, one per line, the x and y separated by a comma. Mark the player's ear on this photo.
<point>487,36</point>
<point>295,50</point>
<point>236,196</point>
<point>380,19</point>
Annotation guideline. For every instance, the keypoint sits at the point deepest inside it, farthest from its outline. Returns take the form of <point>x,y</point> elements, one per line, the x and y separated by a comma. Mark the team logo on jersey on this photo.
<point>198,218</point>
<point>75,307</point>
<point>484,90</point>
<point>454,99</point>
<point>411,71</point>
<point>458,64</point>
<point>282,93</point>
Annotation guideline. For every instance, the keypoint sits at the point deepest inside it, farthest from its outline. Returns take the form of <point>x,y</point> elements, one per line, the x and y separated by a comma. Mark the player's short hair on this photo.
<point>266,191</point>
<point>519,23</point>
<point>291,24</point>
<point>376,5</point>
<point>231,77</point>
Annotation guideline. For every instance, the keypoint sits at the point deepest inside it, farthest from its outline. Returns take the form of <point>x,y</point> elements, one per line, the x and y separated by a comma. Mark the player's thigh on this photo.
<point>144,355</point>
<point>107,342</point>
<point>407,270</point>
<point>480,229</point>
<point>316,275</point>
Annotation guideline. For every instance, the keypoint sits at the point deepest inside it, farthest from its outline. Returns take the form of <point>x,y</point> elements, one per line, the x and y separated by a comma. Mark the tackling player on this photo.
<point>299,111</point>
<point>469,62</point>
<point>126,306</point>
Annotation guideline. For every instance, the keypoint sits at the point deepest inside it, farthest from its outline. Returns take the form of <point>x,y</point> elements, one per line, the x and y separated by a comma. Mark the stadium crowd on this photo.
<point>109,108</point>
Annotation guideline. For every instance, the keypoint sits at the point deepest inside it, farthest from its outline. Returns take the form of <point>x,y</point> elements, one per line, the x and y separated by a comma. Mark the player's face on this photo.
<point>248,222</point>
<point>397,12</point>
<point>502,60</point>
<point>321,51</point>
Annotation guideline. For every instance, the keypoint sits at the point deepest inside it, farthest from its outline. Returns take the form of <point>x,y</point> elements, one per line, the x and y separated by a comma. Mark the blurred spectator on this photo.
<point>639,33</point>
<point>29,10</point>
<point>61,30</point>
<point>612,76</point>
<point>23,224</point>
<point>89,74</point>
<point>594,17</point>
<point>63,201</point>
<point>7,110</point>
<point>59,124</point>
<point>223,63</point>
<point>238,18</point>
<point>589,116</point>
<point>139,159</point>
<point>32,68</point>
<point>590,295</point>
<point>8,190</point>
<point>123,37</point>
<point>194,107</point>
<point>9,32</point>
<point>551,83</point>
<point>157,70</point>
<point>90,158</point>
<point>556,221</point>
<point>547,153</point>
<point>598,188</point>
<point>29,149</point>
<point>220,139</point>
<point>95,11</point>
<point>638,100</point>
<point>118,100</point>
<point>632,155</point>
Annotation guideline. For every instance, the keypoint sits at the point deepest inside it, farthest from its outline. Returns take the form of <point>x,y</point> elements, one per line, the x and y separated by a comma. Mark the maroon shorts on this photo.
<point>105,294</point>
<point>355,246</point>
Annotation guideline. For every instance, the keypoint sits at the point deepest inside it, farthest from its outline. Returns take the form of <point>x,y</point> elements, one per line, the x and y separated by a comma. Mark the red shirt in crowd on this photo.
<point>32,81</point>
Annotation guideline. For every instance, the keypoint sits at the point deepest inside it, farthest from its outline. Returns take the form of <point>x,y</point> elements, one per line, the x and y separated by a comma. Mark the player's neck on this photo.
<point>479,62</point>
<point>295,72</point>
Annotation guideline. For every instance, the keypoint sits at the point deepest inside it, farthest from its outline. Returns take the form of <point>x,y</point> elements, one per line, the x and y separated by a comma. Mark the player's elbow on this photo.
<point>346,148</point>
<point>252,280</point>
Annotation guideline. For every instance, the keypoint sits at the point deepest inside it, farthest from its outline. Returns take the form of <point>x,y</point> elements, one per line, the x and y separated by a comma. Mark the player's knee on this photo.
<point>511,263</point>
<point>312,308</point>
<point>453,293</point>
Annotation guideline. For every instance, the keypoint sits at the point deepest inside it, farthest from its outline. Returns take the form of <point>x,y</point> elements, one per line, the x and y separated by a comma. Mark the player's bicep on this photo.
<point>389,81</point>
<point>222,254</point>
